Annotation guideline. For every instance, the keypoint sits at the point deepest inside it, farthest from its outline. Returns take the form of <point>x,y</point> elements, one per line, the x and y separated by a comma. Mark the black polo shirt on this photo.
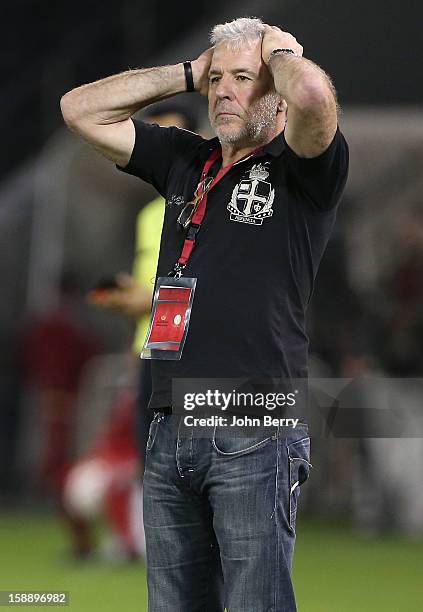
<point>257,253</point>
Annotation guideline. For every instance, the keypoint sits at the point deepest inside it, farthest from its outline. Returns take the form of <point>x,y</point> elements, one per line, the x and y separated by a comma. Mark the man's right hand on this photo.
<point>200,71</point>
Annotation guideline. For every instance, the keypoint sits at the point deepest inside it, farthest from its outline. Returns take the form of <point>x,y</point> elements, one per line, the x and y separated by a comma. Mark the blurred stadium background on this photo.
<point>67,220</point>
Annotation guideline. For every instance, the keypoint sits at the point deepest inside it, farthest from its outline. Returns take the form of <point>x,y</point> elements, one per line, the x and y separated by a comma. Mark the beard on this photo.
<point>260,121</point>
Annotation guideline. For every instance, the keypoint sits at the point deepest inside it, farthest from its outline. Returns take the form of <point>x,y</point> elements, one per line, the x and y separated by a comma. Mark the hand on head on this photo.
<point>275,38</point>
<point>200,71</point>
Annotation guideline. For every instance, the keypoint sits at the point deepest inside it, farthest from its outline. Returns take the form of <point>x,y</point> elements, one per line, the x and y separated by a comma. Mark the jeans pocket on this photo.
<point>227,445</point>
<point>299,471</point>
<point>152,433</point>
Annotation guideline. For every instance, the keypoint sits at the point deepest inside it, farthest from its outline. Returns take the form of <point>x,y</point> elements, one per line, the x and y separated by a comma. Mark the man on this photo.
<point>220,511</point>
<point>56,348</point>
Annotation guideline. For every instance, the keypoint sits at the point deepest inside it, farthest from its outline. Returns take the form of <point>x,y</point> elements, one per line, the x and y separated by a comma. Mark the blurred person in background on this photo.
<point>220,522</point>
<point>102,483</point>
<point>55,347</point>
<point>386,494</point>
<point>400,338</point>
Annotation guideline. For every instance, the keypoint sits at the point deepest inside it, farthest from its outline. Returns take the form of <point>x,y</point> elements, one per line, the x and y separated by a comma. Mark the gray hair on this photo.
<point>237,33</point>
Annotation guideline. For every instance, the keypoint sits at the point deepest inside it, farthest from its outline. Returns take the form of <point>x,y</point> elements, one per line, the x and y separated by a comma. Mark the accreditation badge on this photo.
<point>170,317</point>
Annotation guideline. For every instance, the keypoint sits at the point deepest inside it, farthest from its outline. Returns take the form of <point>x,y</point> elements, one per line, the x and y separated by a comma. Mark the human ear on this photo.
<point>282,106</point>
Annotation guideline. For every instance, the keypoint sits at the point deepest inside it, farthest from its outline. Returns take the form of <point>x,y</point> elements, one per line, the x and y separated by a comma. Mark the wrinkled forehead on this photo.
<point>227,57</point>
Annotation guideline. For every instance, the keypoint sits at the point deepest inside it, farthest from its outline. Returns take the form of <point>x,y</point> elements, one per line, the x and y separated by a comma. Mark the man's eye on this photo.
<point>242,77</point>
<point>214,79</point>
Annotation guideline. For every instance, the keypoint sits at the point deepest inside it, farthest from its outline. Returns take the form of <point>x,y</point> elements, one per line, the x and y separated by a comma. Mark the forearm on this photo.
<point>300,82</point>
<point>116,98</point>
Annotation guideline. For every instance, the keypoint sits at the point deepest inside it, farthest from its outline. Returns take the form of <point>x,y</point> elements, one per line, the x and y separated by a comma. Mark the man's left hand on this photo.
<point>275,38</point>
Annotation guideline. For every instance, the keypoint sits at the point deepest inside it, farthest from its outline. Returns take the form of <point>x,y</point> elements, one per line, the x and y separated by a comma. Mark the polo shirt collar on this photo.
<point>274,148</point>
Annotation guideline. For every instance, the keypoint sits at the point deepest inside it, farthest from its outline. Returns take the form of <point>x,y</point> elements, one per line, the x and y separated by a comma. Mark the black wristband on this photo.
<point>277,51</point>
<point>188,76</point>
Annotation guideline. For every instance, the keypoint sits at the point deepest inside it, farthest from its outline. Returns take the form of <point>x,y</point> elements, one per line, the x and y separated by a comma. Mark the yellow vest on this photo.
<point>147,244</point>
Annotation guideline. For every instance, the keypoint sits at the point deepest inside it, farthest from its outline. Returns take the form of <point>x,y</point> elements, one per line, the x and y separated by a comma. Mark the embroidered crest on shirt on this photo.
<point>252,198</point>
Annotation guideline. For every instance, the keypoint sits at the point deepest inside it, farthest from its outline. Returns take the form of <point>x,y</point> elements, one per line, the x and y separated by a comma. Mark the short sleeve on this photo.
<point>155,151</point>
<point>321,179</point>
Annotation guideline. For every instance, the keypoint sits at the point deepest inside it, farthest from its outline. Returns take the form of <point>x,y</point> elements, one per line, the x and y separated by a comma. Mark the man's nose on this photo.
<point>224,88</point>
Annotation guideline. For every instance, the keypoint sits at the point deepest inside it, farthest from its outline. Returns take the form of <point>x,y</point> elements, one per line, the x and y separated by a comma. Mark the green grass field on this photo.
<point>335,570</point>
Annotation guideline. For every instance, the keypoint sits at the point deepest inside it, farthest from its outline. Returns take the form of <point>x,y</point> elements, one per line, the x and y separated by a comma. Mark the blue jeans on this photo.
<point>144,415</point>
<point>219,516</point>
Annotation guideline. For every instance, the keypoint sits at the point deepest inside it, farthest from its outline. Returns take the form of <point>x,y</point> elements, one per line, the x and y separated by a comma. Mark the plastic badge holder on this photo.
<point>170,317</point>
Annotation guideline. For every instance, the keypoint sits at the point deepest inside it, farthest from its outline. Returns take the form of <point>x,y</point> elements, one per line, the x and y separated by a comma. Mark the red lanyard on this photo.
<point>198,216</point>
